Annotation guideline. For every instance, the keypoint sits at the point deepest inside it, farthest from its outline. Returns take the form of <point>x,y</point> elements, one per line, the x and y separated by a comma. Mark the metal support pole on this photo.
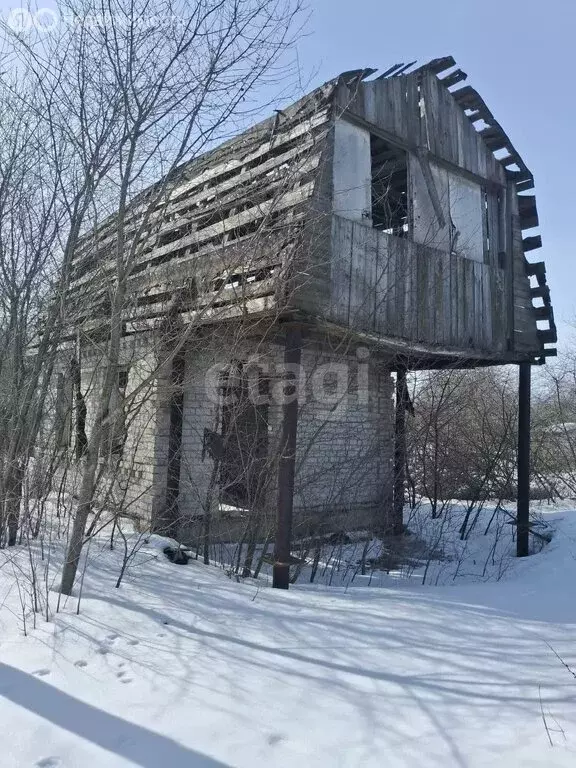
<point>165,521</point>
<point>523,502</point>
<point>399,453</point>
<point>286,466</point>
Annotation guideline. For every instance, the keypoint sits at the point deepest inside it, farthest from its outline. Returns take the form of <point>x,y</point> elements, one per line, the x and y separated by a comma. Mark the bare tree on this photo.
<point>160,87</point>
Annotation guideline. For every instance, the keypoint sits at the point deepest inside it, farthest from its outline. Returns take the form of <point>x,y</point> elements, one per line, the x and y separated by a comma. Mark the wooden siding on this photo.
<point>419,111</point>
<point>219,234</point>
<point>248,228</point>
<point>397,288</point>
<point>525,330</point>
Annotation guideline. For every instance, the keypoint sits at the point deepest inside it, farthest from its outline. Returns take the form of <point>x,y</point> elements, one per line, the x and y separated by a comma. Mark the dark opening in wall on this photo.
<point>389,187</point>
<point>115,427</point>
<point>63,411</point>
<point>244,428</point>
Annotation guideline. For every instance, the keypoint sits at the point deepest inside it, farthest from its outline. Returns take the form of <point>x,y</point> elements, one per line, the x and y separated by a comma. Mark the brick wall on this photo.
<point>345,433</point>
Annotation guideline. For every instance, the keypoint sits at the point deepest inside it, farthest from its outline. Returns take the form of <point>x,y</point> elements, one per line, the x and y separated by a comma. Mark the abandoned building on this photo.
<point>379,225</point>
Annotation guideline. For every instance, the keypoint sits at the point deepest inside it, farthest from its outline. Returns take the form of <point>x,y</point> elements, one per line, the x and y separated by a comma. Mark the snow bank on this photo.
<point>183,667</point>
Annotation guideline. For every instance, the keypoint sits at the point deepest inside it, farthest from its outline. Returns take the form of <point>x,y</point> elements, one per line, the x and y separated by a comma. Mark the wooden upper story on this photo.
<point>392,207</point>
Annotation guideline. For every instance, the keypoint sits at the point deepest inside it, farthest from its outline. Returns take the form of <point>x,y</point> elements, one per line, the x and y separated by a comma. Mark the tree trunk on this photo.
<point>13,501</point>
<point>80,520</point>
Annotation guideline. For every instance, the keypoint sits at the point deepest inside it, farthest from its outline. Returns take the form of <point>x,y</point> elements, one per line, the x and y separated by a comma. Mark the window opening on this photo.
<point>389,187</point>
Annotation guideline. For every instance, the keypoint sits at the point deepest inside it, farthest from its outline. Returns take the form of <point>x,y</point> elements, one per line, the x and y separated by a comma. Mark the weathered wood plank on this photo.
<point>487,306</point>
<point>447,299</point>
<point>383,285</point>
<point>410,291</point>
<point>340,270</point>
<point>478,305</point>
<point>361,280</point>
<point>454,299</point>
<point>422,295</point>
<point>395,287</point>
<point>402,276</point>
<point>371,278</point>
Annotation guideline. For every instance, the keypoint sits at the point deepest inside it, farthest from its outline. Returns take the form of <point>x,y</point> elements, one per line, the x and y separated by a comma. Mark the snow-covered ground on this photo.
<point>183,667</point>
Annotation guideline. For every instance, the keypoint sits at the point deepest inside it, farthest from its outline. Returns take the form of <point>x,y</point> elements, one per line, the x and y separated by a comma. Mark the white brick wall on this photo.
<point>345,434</point>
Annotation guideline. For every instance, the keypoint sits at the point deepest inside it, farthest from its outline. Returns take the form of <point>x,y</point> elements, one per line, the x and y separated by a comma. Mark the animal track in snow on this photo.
<point>81,663</point>
<point>41,672</point>
<point>49,762</point>
<point>123,676</point>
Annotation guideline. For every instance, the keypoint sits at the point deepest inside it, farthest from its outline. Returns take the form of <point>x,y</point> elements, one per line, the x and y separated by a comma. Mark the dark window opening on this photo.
<point>244,429</point>
<point>115,427</point>
<point>389,187</point>
<point>122,381</point>
<point>63,411</point>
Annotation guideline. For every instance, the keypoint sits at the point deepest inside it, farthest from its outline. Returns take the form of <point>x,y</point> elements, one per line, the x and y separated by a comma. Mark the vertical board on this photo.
<point>422,293</point>
<point>430,94</point>
<point>395,287</point>
<point>361,289</point>
<point>382,285</point>
<point>370,101</point>
<point>463,332</point>
<point>402,264</point>
<point>410,323</point>
<point>478,305</point>
<point>487,295</point>
<point>391,316</point>
<point>340,270</point>
<point>371,266</point>
<point>442,299</point>
<point>454,300</point>
<point>412,112</point>
<point>493,226</point>
<point>471,297</point>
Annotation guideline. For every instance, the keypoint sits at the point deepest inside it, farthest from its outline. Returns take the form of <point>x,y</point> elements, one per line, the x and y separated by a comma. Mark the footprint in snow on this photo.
<point>123,677</point>
<point>41,672</point>
<point>133,642</point>
<point>49,762</point>
<point>81,663</point>
<point>275,738</point>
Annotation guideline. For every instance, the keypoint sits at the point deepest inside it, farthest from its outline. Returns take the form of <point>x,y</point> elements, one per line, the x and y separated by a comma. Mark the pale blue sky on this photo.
<point>518,54</point>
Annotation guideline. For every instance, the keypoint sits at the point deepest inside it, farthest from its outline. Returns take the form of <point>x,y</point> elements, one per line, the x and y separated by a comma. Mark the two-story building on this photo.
<point>381,224</point>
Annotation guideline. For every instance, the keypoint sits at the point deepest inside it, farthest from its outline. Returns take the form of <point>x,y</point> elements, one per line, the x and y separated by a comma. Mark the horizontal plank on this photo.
<point>196,239</point>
